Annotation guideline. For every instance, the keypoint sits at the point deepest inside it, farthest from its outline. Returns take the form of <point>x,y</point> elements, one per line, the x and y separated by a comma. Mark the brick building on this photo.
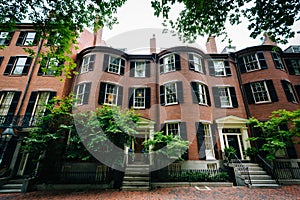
<point>205,97</point>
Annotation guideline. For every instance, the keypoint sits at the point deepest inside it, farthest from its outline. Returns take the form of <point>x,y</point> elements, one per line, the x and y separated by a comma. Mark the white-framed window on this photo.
<point>29,38</point>
<point>251,62</point>
<point>39,106</point>
<point>225,98</point>
<point>139,98</point>
<point>219,68</point>
<point>293,66</point>
<point>289,91</point>
<point>173,128</point>
<point>277,61</point>
<point>196,62</point>
<point>3,37</point>
<point>5,102</point>
<point>169,63</point>
<point>111,94</point>
<point>50,67</point>
<point>260,92</point>
<point>209,145</point>
<point>82,92</point>
<point>87,63</point>
<point>140,69</point>
<point>171,93</point>
<point>19,66</point>
<point>202,94</point>
<point>114,64</point>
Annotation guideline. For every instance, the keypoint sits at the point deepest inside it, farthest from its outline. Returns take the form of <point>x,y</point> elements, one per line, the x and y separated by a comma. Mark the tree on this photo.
<point>209,17</point>
<point>273,136</point>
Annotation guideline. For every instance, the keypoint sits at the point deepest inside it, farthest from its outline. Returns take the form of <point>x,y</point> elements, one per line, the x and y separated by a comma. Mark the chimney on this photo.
<point>267,40</point>
<point>153,44</point>
<point>98,37</point>
<point>211,46</point>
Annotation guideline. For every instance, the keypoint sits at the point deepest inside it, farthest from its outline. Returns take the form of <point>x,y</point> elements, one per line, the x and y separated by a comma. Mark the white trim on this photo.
<point>172,121</point>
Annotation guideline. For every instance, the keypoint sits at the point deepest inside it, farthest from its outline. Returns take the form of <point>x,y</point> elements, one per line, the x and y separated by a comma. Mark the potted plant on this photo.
<point>251,152</point>
<point>230,153</point>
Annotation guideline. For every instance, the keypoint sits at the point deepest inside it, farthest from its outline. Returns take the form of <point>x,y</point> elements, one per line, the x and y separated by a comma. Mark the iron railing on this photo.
<point>241,168</point>
<point>287,168</point>
<point>267,167</point>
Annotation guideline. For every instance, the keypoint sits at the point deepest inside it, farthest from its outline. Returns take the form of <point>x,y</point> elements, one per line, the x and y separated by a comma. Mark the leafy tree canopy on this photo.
<point>273,136</point>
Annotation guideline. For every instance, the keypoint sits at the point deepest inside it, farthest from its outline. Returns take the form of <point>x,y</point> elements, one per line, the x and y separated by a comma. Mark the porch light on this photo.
<point>6,136</point>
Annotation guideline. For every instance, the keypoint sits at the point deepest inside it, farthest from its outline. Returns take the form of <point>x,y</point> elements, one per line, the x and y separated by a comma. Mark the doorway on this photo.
<point>235,140</point>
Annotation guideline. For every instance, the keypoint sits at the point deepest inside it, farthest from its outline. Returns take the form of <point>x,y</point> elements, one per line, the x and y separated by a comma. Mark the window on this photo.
<point>173,129</point>
<point>225,97</point>
<point>260,92</point>
<point>196,63</point>
<point>114,64</point>
<point>82,92</point>
<point>36,106</point>
<point>18,65</point>
<point>140,69</point>
<point>110,94</point>
<point>27,38</point>
<point>170,63</point>
<point>139,98</point>
<point>219,68</point>
<point>293,66</point>
<point>8,104</point>
<point>5,37</point>
<point>277,61</point>
<point>87,64</point>
<point>289,91</point>
<point>171,93</point>
<point>200,93</point>
<point>252,62</point>
<point>205,141</point>
<point>48,67</point>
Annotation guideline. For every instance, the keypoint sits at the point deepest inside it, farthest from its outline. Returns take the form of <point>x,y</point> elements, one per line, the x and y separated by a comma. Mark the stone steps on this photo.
<point>136,178</point>
<point>12,186</point>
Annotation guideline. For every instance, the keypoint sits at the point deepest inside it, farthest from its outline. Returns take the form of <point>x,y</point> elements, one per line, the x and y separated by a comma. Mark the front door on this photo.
<point>139,149</point>
<point>233,138</point>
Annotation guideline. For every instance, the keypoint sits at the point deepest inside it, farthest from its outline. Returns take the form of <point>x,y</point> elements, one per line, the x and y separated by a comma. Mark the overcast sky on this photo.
<point>137,24</point>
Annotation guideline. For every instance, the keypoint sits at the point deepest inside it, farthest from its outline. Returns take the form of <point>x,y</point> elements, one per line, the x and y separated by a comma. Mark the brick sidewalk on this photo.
<point>178,193</point>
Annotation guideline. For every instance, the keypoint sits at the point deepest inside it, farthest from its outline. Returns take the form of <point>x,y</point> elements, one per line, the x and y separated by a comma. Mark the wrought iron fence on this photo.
<point>287,169</point>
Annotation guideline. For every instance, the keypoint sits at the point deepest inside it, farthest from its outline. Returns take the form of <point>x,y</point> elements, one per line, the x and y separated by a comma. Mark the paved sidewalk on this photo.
<point>178,193</point>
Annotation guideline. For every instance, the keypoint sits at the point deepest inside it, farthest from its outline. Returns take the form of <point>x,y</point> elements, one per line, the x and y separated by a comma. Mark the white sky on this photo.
<point>137,24</point>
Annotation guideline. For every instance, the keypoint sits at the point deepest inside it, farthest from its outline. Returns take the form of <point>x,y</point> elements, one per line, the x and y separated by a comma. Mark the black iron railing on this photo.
<point>284,169</point>
<point>267,167</point>
<point>241,168</point>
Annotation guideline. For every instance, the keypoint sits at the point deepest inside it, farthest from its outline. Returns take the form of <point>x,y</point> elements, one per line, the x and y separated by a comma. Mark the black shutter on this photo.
<point>10,65</point>
<point>92,62</point>
<point>27,66</point>
<point>163,128</point>
<point>162,95</point>
<point>214,137</point>
<point>130,95</point>
<point>297,88</point>
<point>195,92</point>
<point>262,61</point>
<point>203,65</point>
<point>30,107</point>
<point>211,68</point>
<point>272,90</point>
<point>227,68</point>
<point>249,94</point>
<point>183,134</point>
<point>286,90</point>
<point>21,38</point>
<point>8,38</point>
<point>207,95</point>
<point>242,65</point>
<point>52,95</point>
<point>86,94</point>
<point>177,62</point>
<point>191,62</point>
<point>161,65</point>
<point>14,104</point>
<point>148,69</point>
<point>216,97</point>
<point>200,141</point>
<point>290,67</point>
<point>122,67</point>
<point>42,65</point>
<point>233,97</point>
<point>105,62</point>
<point>179,92</point>
<point>148,98</point>
<point>102,93</point>
<point>120,96</point>
<point>132,69</point>
<point>1,59</point>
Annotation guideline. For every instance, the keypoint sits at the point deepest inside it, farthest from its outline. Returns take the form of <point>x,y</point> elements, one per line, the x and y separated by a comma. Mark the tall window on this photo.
<point>173,128</point>
<point>139,98</point>
<point>171,93</point>
<point>114,64</point>
<point>140,69</point>
<point>209,145</point>
<point>293,66</point>
<point>82,92</point>
<point>27,38</point>
<point>252,62</point>
<point>196,63</point>
<point>5,102</point>
<point>87,64</point>
<point>289,91</point>
<point>200,93</point>
<point>277,61</point>
<point>18,65</point>
<point>219,67</point>
<point>260,92</point>
<point>4,37</point>
<point>225,97</point>
<point>170,63</point>
<point>111,94</point>
<point>48,66</point>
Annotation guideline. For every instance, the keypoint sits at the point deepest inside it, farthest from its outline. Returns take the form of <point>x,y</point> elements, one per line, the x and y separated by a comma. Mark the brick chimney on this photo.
<point>153,44</point>
<point>211,46</point>
<point>98,37</point>
<point>267,40</point>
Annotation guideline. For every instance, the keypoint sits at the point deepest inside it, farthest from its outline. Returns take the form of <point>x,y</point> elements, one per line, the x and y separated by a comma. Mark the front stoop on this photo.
<point>12,186</point>
<point>136,178</point>
<point>259,177</point>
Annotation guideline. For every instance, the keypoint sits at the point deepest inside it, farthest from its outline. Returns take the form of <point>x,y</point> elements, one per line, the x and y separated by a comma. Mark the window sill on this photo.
<point>203,104</point>
<point>263,102</point>
<point>168,72</point>
<point>114,73</point>
<point>171,104</point>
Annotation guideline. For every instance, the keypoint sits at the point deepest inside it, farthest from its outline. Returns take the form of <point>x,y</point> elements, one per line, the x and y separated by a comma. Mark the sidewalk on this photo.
<point>178,193</point>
